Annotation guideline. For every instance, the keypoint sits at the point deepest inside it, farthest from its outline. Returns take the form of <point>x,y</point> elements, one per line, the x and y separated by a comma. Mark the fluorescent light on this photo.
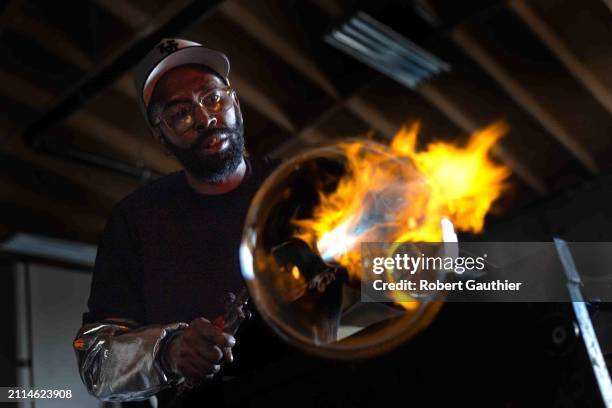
<point>36,245</point>
<point>385,50</point>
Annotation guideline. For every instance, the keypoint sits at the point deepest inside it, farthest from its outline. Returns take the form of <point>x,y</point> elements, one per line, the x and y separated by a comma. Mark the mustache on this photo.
<point>205,134</point>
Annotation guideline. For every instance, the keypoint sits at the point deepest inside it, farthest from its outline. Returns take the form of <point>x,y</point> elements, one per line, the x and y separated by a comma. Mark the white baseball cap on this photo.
<point>171,53</point>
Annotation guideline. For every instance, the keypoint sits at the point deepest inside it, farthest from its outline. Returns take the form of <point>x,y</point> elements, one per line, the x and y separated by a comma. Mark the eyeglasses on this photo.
<point>180,116</point>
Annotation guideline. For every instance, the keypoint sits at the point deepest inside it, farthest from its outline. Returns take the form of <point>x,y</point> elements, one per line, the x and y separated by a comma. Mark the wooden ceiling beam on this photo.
<point>126,86</point>
<point>251,94</point>
<point>137,150</point>
<point>331,7</point>
<point>279,45</point>
<point>357,105</point>
<point>547,35</point>
<point>51,38</point>
<point>256,97</point>
<point>59,44</point>
<point>109,189</point>
<point>9,13</point>
<point>125,12</point>
<point>451,110</point>
<point>14,193</point>
<point>276,42</point>
<point>32,194</point>
<point>306,138</point>
<point>261,102</point>
<point>370,114</point>
<point>523,97</point>
<point>88,124</point>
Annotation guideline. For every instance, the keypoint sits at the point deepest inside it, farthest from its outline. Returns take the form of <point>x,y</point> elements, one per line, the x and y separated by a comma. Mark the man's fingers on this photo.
<point>210,352</point>
<point>192,372</point>
<point>205,357</point>
<point>206,329</point>
<point>198,368</point>
<point>229,357</point>
<point>201,351</point>
<point>205,348</point>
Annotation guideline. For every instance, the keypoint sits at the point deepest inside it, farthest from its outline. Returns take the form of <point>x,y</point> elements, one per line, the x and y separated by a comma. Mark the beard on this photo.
<point>213,167</point>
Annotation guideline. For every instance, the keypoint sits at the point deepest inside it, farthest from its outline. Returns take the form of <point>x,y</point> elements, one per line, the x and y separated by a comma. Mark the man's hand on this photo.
<point>197,353</point>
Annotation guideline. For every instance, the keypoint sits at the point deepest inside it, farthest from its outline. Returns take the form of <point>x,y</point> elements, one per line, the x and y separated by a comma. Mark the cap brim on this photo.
<point>215,60</point>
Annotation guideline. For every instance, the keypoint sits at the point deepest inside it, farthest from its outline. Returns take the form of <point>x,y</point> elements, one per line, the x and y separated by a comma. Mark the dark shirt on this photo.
<point>169,254</point>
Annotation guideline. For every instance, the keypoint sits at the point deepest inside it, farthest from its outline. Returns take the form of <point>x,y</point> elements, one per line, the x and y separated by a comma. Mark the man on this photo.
<point>168,258</point>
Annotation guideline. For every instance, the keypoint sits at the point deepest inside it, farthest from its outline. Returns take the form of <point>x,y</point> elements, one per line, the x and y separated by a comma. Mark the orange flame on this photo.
<point>408,191</point>
<point>464,181</point>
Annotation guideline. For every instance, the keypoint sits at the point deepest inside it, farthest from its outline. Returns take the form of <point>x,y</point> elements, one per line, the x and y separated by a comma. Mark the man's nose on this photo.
<point>203,119</point>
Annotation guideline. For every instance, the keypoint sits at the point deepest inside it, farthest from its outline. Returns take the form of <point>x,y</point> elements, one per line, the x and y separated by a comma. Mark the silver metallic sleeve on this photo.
<point>119,363</point>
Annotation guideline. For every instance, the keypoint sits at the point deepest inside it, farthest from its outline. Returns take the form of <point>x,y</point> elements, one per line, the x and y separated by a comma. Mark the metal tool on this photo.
<point>229,322</point>
<point>235,312</point>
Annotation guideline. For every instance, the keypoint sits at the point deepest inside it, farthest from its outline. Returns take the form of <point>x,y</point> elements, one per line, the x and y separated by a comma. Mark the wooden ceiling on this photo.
<point>542,65</point>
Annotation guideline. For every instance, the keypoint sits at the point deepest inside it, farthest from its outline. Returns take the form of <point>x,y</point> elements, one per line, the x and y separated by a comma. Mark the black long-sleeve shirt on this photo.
<point>170,254</point>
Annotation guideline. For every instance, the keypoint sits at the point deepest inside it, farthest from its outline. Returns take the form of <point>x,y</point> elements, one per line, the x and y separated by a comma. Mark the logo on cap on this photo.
<point>168,47</point>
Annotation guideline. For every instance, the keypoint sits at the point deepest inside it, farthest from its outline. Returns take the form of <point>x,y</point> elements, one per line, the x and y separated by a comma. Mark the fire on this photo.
<point>399,194</point>
<point>464,181</point>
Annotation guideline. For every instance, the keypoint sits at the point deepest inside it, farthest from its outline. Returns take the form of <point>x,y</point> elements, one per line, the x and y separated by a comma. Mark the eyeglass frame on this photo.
<point>159,116</point>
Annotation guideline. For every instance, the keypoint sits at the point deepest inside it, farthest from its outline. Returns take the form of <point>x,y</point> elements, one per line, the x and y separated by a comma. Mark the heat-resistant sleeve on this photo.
<point>119,363</point>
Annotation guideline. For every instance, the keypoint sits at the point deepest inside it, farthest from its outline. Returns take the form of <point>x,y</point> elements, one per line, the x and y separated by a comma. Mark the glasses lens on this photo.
<point>179,116</point>
<point>216,101</point>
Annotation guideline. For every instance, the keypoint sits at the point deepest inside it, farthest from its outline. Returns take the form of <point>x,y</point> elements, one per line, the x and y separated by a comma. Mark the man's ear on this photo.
<point>162,142</point>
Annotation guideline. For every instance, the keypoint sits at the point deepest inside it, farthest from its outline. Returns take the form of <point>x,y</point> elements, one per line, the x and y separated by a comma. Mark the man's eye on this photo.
<point>180,113</point>
<point>211,99</point>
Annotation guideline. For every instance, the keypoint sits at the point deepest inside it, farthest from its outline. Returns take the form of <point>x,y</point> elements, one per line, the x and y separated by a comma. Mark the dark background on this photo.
<point>73,142</point>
